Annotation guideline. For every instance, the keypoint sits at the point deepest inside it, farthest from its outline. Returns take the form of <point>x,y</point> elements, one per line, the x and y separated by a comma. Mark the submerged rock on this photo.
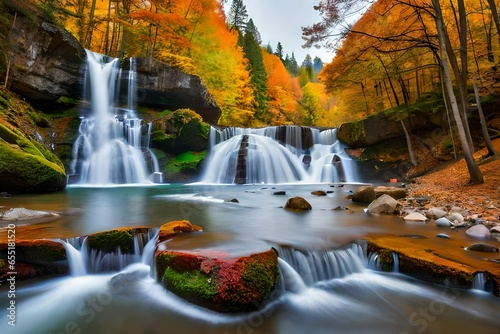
<point>485,248</point>
<point>217,280</point>
<point>478,231</point>
<point>22,214</point>
<point>443,236</point>
<point>385,204</point>
<point>298,203</point>
<point>318,193</point>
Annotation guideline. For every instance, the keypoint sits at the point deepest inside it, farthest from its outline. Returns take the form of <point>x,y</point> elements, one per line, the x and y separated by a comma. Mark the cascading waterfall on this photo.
<point>112,142</point>
<point>280,154</point>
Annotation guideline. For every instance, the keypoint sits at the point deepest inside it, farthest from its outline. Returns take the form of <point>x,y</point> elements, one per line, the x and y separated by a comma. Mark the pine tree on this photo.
<point>238,16</point>
<point>279,51</point>
<point>258,76</point>
<point>291,65</point>
<point>252,29</point>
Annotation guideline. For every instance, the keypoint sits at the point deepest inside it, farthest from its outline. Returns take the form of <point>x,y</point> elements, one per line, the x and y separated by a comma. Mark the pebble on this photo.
<point>443,236</point>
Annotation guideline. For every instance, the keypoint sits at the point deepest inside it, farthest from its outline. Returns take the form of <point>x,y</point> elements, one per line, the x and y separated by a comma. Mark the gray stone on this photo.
<point>443,222</point>
<point>478,231</point>
<point>385,204</point>
<point>19,214</point>
<point>455,216</point>
<point>435,213</point>
<point>485,248</point>
<point>364,194</point>
<point>415,216</point>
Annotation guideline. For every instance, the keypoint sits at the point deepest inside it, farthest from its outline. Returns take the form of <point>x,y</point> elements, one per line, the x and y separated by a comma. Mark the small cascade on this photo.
<point>479,282</point>
<point>293,282</point>
<point>280,154</point>
<point>315,266</point>
<point>112,146</point>
<point>82,260</point>
<point>387,261</point>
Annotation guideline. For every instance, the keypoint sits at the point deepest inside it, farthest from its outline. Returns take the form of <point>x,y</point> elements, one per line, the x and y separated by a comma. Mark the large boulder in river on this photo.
<point>364,194</point>
<point>161,85</point>
<point>298,203</point>
<point>385,204</point>
<point>217,280</point>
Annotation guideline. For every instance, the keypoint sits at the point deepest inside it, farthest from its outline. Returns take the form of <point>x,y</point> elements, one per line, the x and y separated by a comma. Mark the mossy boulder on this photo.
<point>34,258</point>
<point>217,280</point>
<point>26,165</point>
<point>110,241</point>
<point>394,192</point>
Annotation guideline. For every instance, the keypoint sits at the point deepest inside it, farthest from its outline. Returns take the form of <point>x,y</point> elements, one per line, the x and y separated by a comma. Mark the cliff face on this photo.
<point>47,61</point>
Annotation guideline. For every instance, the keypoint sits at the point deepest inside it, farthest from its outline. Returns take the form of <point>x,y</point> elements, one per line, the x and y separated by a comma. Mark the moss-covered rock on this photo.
<point>176,227</point>
<point>27,166</point>
<point>217,281</point>
<point>109,241</point>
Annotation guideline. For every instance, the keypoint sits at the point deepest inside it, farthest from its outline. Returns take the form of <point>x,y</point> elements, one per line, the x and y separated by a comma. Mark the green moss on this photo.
<point>356,132</point>
<point>184,161</point>
<point>109,241</point>
<point>44,253</point>
<point>193,284</point>
<point>261,276</point>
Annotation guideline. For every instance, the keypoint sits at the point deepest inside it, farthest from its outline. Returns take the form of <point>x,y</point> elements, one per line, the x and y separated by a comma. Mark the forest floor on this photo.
<point>447,185</point>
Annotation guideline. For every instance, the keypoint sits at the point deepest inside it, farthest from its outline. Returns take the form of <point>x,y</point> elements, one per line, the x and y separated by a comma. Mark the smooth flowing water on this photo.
<point>329,286</point>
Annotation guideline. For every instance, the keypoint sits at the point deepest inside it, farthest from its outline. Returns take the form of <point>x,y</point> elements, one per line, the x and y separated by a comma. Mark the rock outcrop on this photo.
<point>160,85</point>
<point>47,62</point>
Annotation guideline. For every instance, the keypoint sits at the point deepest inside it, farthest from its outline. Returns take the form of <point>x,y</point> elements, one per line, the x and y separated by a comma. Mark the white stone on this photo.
<point>415,216</point>
<point>478,231</point>
<point>17,214</point>
<point>443,222</point>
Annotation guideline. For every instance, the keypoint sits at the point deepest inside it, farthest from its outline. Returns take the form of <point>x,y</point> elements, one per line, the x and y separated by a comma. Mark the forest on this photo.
<point>389,57</point>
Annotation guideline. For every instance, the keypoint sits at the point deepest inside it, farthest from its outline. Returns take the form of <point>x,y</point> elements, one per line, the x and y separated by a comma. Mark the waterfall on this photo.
<point>376,263</point>
<point>478,282</point>
<point>279,154</point>
<point>83,260</point>
<point>112,142</point>
<point>315,266</point>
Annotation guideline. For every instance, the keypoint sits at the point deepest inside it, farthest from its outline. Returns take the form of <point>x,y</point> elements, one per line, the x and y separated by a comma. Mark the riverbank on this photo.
<point>447,186</point>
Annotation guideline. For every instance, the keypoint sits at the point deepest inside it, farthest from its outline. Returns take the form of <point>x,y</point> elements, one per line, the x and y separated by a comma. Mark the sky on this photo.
<point>281,21</point>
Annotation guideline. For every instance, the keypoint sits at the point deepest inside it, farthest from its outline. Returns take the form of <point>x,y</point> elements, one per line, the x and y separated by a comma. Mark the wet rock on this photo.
<point>495,229</point>
<point>415,216</point>
<point>364,194</point>
<point>443,222</point>
<point>485,248</point>
<point>456,217</point>
<point>232,200</point>
<point>342,208</point>
<point>318,193</point>
<point>4,194</point>
<point>109,241</point>
<point>385,204</point>
<point>435,213</point>
<point>478,231</point>
<point>22,214</point>
<point>298,203</point>
<point>443,236</point>
<point>394,192</point>
<point>279,193</point>
<point>217,280</point>
<point>176,227</point>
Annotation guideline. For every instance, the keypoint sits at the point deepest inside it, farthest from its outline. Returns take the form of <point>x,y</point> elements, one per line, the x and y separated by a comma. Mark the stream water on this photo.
<point>330,286</point>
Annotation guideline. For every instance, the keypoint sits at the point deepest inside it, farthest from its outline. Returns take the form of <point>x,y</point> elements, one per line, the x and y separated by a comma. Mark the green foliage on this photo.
<point>193,283</point>
<point>184,161</point>
<point>109,241</point>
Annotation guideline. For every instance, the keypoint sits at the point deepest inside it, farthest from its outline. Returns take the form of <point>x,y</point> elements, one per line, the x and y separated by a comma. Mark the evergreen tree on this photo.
<point>317,65</point>
<point>306,72</point>
<point>238,16</point>
<point>258,76</point>
<point>279,51</point>
<point>252,29</point>
<point>291,65</point>
<point>269,48</point>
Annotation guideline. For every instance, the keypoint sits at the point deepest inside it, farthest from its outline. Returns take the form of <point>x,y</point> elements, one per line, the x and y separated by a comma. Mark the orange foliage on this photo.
<point>282,91</point>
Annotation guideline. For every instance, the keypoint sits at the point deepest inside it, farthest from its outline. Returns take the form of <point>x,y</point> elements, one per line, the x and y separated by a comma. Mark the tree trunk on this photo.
<point>494,12</point>
<point>484,128</point>
<point>476,176</point>
<point>411,152</point>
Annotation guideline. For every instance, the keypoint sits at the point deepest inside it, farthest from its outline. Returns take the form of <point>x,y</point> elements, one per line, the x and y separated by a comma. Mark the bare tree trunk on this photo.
<point>411,152</point>
<point>494,12</point>
<point>476,176</point>
<point>484,128</point>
